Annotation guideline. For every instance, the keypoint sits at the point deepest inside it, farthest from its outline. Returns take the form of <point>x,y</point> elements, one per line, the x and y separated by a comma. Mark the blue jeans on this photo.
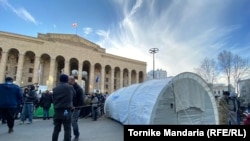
<point>75,116</point>
<point>45,113</point>
<point>27,111</point>
<point>94,113</point>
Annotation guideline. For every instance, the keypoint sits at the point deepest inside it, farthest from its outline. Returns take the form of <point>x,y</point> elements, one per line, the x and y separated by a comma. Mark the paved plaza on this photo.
<point>104,129</point>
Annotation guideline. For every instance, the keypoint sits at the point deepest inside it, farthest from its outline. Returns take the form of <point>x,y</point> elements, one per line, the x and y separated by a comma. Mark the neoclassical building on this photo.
<point>41,60</point>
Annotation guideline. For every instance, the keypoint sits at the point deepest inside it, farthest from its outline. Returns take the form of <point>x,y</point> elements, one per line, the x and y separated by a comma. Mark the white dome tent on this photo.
<point>183,99</point>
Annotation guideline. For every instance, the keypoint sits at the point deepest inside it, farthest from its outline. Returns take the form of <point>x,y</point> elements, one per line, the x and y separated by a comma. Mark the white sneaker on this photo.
<point>29,122</point>
<point>21,122</point>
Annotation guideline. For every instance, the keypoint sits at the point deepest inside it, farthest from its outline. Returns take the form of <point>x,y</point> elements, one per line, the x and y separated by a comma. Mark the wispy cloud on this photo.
<point>87,30</point>
<point>184,31</point>
<point>21,12</point>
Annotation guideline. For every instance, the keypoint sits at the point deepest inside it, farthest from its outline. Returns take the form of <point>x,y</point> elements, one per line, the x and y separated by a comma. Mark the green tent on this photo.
<point>38,113</point>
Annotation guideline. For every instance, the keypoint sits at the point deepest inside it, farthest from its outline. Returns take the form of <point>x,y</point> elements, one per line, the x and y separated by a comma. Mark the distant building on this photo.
<point>219,88</point>
<point>244,89</point>
<point>159,74</point>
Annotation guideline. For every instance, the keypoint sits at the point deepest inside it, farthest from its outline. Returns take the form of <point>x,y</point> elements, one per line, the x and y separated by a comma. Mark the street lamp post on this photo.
<point>153,51</point>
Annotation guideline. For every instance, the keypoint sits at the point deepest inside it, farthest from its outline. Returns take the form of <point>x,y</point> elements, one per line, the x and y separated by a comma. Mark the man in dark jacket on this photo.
<point>10,98</point>
<point>63,103</point>
<point>45,103</point>
<point>77,103</point>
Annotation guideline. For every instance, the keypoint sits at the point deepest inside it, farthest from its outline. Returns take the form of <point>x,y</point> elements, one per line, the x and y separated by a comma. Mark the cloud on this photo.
<point>24,14</point>
<point>185,32</point>
<point>20,12</point>
<point>87,30</point>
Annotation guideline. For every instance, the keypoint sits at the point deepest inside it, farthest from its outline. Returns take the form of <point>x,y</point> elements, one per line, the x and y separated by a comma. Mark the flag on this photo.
<point>97,79</point>
<point>74,24</point>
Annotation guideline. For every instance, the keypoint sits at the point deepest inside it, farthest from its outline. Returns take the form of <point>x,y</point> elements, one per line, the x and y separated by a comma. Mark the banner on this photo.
<point>97,79</point>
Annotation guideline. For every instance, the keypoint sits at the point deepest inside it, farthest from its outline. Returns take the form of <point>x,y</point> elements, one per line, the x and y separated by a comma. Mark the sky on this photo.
<point>184,31</point>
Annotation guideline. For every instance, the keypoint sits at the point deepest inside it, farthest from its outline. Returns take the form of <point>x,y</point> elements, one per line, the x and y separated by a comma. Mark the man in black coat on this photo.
<point>78,102</point>
<point>63,103</point>
<point>45,103</point>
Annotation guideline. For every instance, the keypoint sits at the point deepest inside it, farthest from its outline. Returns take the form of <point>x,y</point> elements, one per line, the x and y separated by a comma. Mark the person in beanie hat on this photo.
<point>63,103</point>
<point>28,106</point>
<point>64,78</point>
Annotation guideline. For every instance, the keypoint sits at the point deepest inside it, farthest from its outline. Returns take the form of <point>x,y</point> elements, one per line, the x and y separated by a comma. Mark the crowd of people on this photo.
<point>231,112</point>
<point>68,99</point>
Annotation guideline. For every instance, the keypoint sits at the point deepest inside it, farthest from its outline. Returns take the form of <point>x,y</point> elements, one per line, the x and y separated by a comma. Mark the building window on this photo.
<point>106,86</point>
<point>32,61</point>
<point>107,79</point>
<point>107,72</point>
<point>30,79</point>
<point>31,70</point>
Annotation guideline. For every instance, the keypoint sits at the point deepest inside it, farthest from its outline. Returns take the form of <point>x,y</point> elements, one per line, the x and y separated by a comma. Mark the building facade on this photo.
<point>158,74</point>
<point>218,89</point>
<point>244,91</point>
<point>41,60</point>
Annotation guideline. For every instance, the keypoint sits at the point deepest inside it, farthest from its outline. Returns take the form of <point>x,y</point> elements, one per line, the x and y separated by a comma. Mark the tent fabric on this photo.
<point>183,99</point>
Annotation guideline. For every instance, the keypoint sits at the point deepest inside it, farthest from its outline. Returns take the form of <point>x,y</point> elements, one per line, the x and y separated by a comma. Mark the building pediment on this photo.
<point>70,39</point>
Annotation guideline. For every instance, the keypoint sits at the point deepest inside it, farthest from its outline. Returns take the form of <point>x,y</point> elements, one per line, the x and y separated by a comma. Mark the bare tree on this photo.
<point>240,68</point>
<point>208,70</point>
<point>225,61</point>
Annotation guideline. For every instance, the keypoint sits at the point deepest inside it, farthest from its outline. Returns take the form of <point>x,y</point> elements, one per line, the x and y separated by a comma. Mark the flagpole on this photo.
<point>75,25</point>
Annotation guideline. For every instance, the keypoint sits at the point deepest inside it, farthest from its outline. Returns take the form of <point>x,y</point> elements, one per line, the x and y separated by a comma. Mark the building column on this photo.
<point>121,79</point>
<point>102,79</point>
<point>112,81</point>
<point>129,78</point>
<point>91,78</point>
<point>19,69</point>
<point>37,71</point>
<point>137,77</point>
<point>3,66</point>
<point>66,67</point>
<point>51,81</point>
<point>80,74</point>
